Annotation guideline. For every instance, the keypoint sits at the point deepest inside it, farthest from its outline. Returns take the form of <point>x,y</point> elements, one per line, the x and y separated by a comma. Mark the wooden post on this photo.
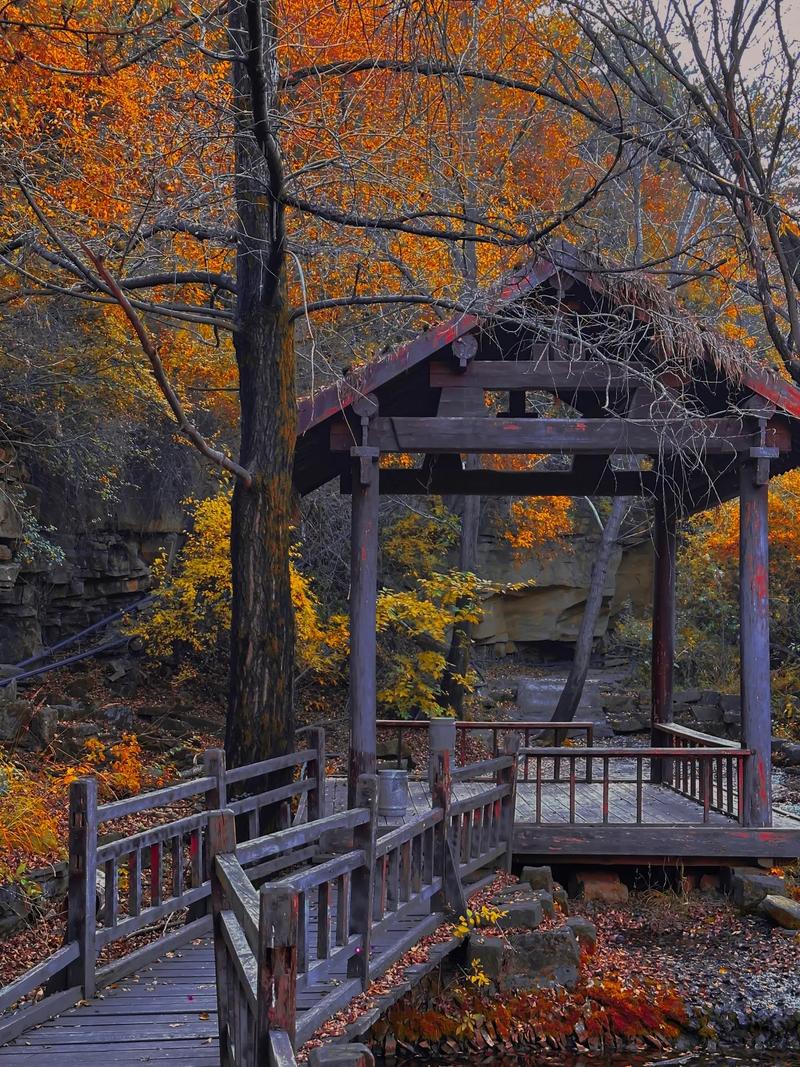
<point>277,964</point>
<point>754,642</point>
<point>221,841</point>
<point>445,861</point>
<point>363,597</point>
<point>82,891</point>
<point>214,767</point>
<point>663,634</point>
<point>316,769</point>
<point>511,745</point>
<point>362,883</point>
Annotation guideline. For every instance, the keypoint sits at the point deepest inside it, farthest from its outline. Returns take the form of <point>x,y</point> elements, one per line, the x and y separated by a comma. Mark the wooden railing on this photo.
<point>717,783</point>
<point>706,776</point>
<point>396,728</point>
<point>156,875</point>
<point>342,921</point>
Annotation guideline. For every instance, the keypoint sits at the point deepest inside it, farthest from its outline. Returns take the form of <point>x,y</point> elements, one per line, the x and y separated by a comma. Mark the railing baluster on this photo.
<point>417,862</point>
<point>706,787</point>
<point>605,787</point>
<point>134,882</point>
<point>302,932</point>
<point>740,790</point>
<point>343,909</point>
<point>729,783</point>
<point>324,920</point>
<point>155,874</point>
<point>589,744</point>
<point>538,813</point>
<point>393,882</point>
<point>639,787</point>
<point>110,911</point>
<point>718,770</point>
<point>559,736</point>
<point>572,789</point>
<point>176,859</point>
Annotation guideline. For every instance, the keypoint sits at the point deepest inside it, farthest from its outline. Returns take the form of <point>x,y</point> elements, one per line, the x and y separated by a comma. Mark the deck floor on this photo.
<point>661,806</point>
<point>167,1011</point>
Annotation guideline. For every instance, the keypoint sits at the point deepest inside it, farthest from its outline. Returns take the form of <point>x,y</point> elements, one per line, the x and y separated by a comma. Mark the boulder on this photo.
<point>782,910</point>
<point>750,885</point>
<point>538,878</point>
<point>709,883</point>
<point>526,915</point>
<point>120,716</point>
<point>602,886</point>
<point>584,931</point>
<point>489,953</point>
<point>560,898</point>
<point>788,751</point>
<point>687,696</point>
<point>707,713</point>
<point>539,959</point>
<point>730,702</point>
<point>511,893</point>
<point>627,724</point>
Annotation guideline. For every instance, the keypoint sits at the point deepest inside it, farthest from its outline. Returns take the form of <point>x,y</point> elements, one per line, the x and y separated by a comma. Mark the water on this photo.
<point>732,1058</point>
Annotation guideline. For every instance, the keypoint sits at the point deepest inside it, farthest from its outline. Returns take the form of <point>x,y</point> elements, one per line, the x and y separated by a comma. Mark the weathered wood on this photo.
<point>111,972</point>
<point>253,804</point>
<point>38,975</point>
<point>652,843</point>
<point>341,1056</point>
<point>221,842</point>
<point>362,882</point>
<point>553,375</point>
<point>465,482</point>
<point>754,645</point>
<point>363,600</point>
<point>508,776</point>
<point>214,767</point>
<point>665,543</point>
<point>592,436</point>
<point>316,770</point>
<point>240,896</point>
<point>261,848</point>
<point>146,838</point>
<point>81,893</point>
<point>268,766</point>
<point>281,1053</point>
<point>159,798</point>
<point>33,1014</point>
<point>277,963</point>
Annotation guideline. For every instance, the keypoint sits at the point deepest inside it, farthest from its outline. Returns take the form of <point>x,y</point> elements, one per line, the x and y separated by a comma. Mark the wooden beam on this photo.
<point>548,375</point>
<point>662,842</point>
<point>397,482</point>
<point>560,436</point>
<point>754,645</point>
<point>663,642</point>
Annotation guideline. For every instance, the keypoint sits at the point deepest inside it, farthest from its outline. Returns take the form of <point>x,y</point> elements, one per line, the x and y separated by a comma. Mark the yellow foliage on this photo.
<point>120,769</point>
<point>27,820</point>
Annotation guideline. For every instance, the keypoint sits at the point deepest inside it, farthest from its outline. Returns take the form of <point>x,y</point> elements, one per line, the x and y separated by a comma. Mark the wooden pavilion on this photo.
<point>651,404</point>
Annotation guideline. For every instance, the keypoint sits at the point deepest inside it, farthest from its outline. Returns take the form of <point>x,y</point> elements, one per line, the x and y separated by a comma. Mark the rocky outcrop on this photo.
<point>543,596</point>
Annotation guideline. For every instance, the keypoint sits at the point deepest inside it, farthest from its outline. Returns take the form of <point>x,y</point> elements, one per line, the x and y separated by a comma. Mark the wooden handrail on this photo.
<point>694,735</point>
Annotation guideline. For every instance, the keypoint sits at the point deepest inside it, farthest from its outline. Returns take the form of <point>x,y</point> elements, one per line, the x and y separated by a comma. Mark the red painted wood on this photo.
<point>754,650</point>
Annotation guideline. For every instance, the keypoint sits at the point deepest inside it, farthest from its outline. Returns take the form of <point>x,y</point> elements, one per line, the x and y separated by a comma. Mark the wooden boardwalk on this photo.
<point>167,1011</point>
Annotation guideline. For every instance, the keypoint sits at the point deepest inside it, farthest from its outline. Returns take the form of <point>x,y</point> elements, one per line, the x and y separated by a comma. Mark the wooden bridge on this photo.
<point>344,893</point>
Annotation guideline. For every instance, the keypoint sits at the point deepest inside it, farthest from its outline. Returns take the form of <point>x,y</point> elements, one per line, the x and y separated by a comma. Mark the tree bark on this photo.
<point>570,698</point>
<point>260,710</point>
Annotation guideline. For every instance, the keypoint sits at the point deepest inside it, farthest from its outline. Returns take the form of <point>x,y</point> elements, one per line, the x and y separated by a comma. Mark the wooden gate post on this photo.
<point>663,634</point>
<point>754,639</point>
<point>221,841</point>
<point>362,882</point>
<point>82,891</point>
<point>511,746</point>
<point>316,768</point>
<point>279,908</point>
<point>214,767</point>
<point>363,600</point>
<point>445,861</point>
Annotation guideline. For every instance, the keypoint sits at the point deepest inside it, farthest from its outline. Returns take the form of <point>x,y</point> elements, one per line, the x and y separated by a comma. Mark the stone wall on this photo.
<point>549,591</point>
<point>107,546</point>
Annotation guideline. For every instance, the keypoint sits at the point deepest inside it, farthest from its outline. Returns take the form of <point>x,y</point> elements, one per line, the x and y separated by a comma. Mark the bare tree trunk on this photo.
<point>260,711</point>
<point>458,657</point>
<point>573,689</point>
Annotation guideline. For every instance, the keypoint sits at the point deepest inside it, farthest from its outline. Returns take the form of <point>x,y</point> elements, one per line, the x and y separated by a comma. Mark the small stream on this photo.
<point>730,1058</point>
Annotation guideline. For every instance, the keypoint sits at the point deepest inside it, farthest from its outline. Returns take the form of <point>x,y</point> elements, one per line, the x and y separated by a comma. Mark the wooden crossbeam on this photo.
<point>562,436</point>
<point>548,375</point>
<point>511,483</point>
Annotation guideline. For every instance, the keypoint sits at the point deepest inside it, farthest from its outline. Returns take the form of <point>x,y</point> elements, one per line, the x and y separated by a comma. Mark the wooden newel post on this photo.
<point>277,965</point>
<point>362,883</point>
<point>445,865</point>
<point>82,891</point>
<point>221,841</point>
<point>508,775</point>
<point>663,636</point>
<point>316,769</point>
<point>214,767</point>
<point>754,642</point>
<point>363,598</point>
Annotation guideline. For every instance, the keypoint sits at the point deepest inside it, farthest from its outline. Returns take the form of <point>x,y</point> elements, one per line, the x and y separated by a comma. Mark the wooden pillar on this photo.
<point>754,641</point>
<point>663,632</point>
<point>363,596</point>
<point>82,891</point>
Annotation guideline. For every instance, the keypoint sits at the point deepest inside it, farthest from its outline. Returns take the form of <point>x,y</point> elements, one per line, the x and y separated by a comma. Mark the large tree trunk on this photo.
<point>260,711</point>
<point>570,698</point>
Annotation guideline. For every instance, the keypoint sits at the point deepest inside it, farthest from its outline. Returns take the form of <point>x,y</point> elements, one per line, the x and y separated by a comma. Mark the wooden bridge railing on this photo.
<point>706,775</point>
<point>342,921</point>
<point>720,780</point>
<point>155,875</point>
<point>499,731</point>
